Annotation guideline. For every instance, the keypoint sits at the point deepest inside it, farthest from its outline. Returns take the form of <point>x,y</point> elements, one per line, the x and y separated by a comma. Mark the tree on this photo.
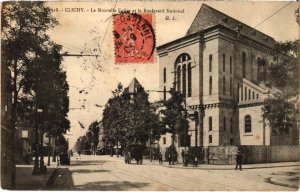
<point>280,112</point>
<point>47,84</point>
<point>27,49</point>
<point>128,118</point>
<point>284,72</point>
<point>280,108</point>
<point>94,130</point>
<point>175,116</point>
<point>112,118</point>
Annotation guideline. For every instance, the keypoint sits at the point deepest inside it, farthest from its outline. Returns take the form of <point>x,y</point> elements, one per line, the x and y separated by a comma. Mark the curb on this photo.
<point>269,180</point>
<point>225,168</point>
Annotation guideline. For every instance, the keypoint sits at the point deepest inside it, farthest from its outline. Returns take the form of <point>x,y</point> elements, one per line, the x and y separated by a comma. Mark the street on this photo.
<point>111,173</point>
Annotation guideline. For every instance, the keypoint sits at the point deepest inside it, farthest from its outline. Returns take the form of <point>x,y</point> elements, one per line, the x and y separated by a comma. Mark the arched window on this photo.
<point>224,61</point>
<point>245,94</point>
<point>178,78</point>
<point>230,86</point>
<point>189,80</point>
<point>248,128</point>
<point>231,125</point>
<point>238,91</point>
<point>224,123</point>
<point>230,65</point>
<point>210,62</point>
<point>184,80</point>
<point>224,85</point>
<point>249,94</point>
<point>180,64</point>
<point>242,91</point>
<point>210,85</point>
<point>261,69</point>
<point>244,64</point>
<point>165,74</point>
<point>210,123</point>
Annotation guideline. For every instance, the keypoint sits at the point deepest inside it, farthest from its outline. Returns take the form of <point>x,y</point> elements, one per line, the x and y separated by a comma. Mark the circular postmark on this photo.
<point>134,38</point>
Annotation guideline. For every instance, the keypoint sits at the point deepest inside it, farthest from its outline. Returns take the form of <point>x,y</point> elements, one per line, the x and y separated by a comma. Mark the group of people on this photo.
<point>189,157</point>
<point>172,156</point>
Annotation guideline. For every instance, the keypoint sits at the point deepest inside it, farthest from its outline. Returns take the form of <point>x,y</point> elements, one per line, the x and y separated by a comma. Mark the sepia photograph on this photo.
<point>150,95</point>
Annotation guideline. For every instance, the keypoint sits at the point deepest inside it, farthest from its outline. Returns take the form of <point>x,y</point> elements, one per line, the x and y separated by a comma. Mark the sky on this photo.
<point>92,79</point>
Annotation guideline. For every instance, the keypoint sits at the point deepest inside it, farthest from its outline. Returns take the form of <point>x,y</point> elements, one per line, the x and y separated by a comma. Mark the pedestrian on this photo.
<point>183,157</point>
<point>187,158</point>
<point>79,152</point>
<point>128,157</point>
<point>195,160</point>
<point>160,158</point>
<point>239,160</point>
<point>175,157</point>
<point>125,158</point>
<point>170,157</point>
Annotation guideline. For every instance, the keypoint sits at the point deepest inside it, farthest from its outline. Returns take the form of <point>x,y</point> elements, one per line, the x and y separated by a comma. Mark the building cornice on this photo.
<point>210,33</point>
<point>232,105</point>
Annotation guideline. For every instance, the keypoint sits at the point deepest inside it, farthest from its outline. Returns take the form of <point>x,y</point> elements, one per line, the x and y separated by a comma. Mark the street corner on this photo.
<point>285,178</point>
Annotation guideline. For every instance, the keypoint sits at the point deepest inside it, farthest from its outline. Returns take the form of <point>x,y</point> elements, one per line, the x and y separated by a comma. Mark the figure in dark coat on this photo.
<point>239,160</point>
<point>160,158</point>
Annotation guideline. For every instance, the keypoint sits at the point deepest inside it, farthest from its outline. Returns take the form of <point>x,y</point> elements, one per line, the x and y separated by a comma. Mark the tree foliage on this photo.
<point>174,114</point>
<point>280,108</point>
<point>128,118</point>
<point>280,113</point>
<point>35,62</point>
<point>284,72</point>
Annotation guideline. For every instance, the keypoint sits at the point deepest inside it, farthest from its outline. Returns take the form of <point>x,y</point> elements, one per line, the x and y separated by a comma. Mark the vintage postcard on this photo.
<point>150,95</point>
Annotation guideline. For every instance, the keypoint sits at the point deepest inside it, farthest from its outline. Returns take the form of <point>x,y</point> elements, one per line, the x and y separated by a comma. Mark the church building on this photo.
<point>218,66</point>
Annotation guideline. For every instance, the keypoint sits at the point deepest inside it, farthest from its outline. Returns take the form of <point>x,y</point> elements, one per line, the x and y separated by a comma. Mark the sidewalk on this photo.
<point>215,167</point>
<point>231,167</point>
<point>286,179</point>
<point>26,181</point>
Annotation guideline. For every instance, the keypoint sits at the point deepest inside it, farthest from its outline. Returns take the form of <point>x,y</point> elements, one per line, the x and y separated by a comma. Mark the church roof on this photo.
<point>208,17</point>
<point>134,86</point>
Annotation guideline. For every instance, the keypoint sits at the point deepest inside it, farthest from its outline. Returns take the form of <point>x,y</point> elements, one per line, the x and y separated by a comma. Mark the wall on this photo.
<point>256,136</point>
<point>214,113</point>
<point>253,154</point>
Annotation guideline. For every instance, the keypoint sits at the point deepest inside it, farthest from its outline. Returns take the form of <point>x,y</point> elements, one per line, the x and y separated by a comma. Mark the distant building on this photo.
<point>218,66</point>
<point>133,87</point>
<point>101,147</point>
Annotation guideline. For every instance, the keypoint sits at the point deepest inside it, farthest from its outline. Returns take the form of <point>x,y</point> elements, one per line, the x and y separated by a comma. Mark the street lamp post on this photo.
<point>36,168</point>
<point>172,148</point>
<point>151,132</point>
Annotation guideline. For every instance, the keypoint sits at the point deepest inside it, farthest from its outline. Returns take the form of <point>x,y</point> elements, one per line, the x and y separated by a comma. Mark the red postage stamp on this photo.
<point>134,38</point>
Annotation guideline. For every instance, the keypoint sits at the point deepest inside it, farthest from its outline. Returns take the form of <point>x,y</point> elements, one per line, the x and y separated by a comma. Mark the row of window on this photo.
<point>223,85</point>
<point>210,60</point>
<point>246,94</point>
<point>184,74</point>
<point>247,126</point>
<point>261,65</point>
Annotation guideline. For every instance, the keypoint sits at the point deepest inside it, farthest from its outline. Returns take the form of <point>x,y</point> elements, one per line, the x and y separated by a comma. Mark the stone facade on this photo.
<point>218,66</point>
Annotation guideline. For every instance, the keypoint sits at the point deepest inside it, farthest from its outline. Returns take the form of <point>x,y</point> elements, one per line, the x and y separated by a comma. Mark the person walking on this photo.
<point>183,156</point>
<point>195,160</point>
<point>129,157</point>
<point>170,157</point>
<point>239,160</point>
<point>160,158</point>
